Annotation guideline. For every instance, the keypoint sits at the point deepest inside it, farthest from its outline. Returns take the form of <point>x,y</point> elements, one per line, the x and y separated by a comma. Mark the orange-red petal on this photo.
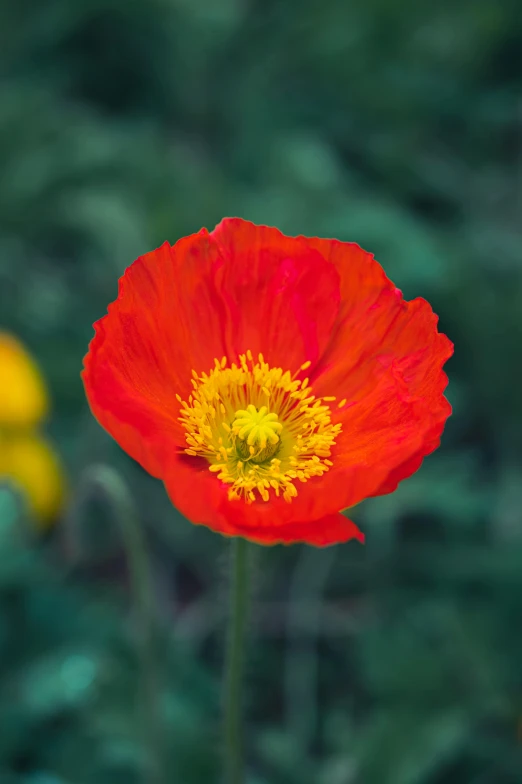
<point>203,499</point>
<point>279,296</point>
<point>394,350</point>
<point>163,324</point>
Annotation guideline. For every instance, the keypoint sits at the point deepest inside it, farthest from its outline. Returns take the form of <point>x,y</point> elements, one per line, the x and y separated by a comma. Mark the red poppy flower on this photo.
<point>269,381</point>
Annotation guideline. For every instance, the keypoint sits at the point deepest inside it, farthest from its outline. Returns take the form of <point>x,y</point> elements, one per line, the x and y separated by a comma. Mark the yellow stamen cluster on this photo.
<point>259,427</point>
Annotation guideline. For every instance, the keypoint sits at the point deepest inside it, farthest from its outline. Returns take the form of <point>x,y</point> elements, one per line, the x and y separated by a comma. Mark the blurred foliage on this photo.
<point>69,683</point>
<point>394,125</point>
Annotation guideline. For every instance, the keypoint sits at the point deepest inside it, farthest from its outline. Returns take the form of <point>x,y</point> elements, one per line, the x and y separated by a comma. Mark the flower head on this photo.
<point>29,463</point>
<point>27,460</point>
<point>269,381</point>
<point>23,396</point>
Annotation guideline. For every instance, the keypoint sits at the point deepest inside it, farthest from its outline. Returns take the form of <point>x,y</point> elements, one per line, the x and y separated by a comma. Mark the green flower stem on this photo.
<point>115,490</point>
<point>235,661</point>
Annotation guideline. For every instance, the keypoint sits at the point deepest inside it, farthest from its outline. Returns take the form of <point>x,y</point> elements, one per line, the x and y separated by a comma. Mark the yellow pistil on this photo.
<point>260,428</point>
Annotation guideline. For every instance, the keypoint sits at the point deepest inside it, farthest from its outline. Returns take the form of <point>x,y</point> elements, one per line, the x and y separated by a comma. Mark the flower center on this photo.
<point>260,428</point>
<point>257,434</point>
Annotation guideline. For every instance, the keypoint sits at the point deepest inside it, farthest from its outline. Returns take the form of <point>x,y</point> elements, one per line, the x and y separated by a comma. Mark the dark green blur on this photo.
<point>395,125</point>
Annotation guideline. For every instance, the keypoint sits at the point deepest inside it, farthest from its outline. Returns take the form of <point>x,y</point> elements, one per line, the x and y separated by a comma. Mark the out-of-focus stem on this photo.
<point>117,493</point>
<point>239,591</point>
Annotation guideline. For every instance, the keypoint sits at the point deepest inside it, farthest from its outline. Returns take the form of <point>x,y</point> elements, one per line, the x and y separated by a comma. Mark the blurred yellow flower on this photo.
<point>28,462</point>
<point>23,396</point>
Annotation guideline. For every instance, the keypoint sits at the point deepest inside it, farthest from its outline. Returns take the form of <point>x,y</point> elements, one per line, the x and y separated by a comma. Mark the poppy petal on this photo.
<point>161,326</point>
<point>280,296</point>
<point>204,500</point>
<point>412,464</point>
<point>330,529</point>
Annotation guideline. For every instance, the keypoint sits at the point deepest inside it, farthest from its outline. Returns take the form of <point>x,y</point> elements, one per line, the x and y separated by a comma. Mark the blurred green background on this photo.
<point>395,125</point>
